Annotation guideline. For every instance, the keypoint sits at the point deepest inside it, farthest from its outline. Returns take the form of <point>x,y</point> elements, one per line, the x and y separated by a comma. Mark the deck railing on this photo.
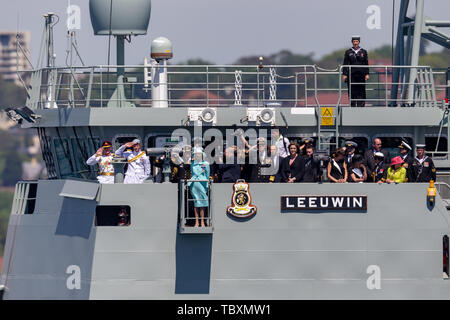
<point>226,85</point>
<point>187,215</point>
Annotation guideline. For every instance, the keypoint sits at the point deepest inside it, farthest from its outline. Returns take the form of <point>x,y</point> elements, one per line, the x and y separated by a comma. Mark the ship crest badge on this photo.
<point>241,201</point>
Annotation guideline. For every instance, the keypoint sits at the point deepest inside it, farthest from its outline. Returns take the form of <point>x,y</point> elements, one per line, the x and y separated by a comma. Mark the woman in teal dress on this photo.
<point>199,171</point>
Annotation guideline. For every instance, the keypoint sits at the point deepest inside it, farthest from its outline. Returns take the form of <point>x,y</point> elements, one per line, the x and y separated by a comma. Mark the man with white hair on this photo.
<point>138,162</point>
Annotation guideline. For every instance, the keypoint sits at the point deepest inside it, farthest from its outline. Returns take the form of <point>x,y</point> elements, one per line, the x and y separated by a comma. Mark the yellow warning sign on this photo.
<point>326,116</point>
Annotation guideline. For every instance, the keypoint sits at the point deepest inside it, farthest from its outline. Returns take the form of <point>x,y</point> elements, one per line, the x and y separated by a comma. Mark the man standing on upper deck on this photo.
<point>103,158</point>
<point>357,76</point>
<point>138,162</point>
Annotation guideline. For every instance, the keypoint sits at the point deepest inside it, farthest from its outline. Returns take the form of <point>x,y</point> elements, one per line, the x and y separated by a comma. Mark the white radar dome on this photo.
<point>161,48</point>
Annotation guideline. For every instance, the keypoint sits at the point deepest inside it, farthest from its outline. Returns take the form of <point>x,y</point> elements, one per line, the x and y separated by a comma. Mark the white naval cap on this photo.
<point>378,154</point>
<point>420,146</point>
<point>404,145</point>
<point>136,141</point>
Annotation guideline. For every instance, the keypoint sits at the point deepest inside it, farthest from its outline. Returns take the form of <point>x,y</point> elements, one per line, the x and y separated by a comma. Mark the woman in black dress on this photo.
<point>293,166</point>
<point>337,168</point>
<point>357,171</point>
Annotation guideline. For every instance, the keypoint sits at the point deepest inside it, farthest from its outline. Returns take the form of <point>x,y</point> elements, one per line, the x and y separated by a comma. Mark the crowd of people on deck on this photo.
<point>281,161</point>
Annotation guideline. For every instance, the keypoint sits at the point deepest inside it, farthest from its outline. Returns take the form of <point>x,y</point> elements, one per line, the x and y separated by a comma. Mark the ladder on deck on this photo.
<point>328,120</point>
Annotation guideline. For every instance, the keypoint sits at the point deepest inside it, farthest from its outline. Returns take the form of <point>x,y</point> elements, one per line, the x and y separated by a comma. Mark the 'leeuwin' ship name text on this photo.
<point>323,202</point>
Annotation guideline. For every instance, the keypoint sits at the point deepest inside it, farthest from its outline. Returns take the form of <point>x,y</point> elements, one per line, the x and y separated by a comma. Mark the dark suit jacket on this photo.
<point>369,161</point>
<point>277,176</point>
<point>257,173</point>
<point>296,169</point>
<point>312,170</point>
<point>229,172</point>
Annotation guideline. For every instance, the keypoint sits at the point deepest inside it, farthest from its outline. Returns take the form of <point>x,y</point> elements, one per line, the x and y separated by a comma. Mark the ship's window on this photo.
<point>445,253</point>
<point>47,154</point>
<point>93,145</point>
<point>391,144</point>
<point>24,198</point>
<point>31,198</point>
<point>430,146</point>
<point>81,154</point>
<point>63,157</point>
<point>112,216</point>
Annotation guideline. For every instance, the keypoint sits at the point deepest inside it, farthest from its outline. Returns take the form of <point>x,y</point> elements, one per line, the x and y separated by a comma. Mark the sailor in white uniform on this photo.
<point>103,158</point>
<point>138,162</point>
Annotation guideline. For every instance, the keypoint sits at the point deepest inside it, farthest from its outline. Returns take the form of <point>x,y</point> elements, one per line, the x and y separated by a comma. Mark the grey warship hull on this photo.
<point>274,255</point>
<point>302,241</point>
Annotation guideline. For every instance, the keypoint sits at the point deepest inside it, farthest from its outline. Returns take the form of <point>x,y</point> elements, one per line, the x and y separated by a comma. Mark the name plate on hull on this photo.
<point>324,203</point>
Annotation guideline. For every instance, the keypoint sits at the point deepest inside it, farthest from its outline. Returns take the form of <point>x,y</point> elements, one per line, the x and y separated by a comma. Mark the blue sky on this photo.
<point>222,31</point>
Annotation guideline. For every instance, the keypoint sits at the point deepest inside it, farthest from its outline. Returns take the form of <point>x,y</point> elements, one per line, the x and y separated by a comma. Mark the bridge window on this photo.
<point>47,155</point>
<point>63,157</point>
<point>81,154</point>
<point>112,216</point>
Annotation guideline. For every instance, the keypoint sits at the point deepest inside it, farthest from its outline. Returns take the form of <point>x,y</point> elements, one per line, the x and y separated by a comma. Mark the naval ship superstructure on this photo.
<point>65,240</point>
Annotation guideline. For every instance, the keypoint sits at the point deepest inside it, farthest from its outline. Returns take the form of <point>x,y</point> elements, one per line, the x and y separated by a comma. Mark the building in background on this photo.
<point>9,59</point>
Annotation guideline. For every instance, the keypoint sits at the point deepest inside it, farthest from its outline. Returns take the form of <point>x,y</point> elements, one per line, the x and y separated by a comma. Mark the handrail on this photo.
<point>213,85</point>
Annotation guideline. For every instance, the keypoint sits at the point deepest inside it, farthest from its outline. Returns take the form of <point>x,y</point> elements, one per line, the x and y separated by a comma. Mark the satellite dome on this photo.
<point>127,16</point>
<point>161,48</point>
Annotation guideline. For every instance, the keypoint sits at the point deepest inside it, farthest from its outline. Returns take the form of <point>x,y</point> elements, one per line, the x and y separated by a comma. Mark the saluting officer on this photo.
<point>356,56</point>
<point>103,158</point>
<point>408,160</point>
<point>423,169</point>
<point>138,162</point>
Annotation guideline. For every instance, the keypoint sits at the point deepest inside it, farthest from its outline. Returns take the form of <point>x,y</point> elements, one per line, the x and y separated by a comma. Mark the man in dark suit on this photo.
<point>275,169</point>
<point>350,147</point>
<point>230,171</point>
<point>312,166</point>
<point>262,161</point>
<point>408,160</point>
<point>369,160</point>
